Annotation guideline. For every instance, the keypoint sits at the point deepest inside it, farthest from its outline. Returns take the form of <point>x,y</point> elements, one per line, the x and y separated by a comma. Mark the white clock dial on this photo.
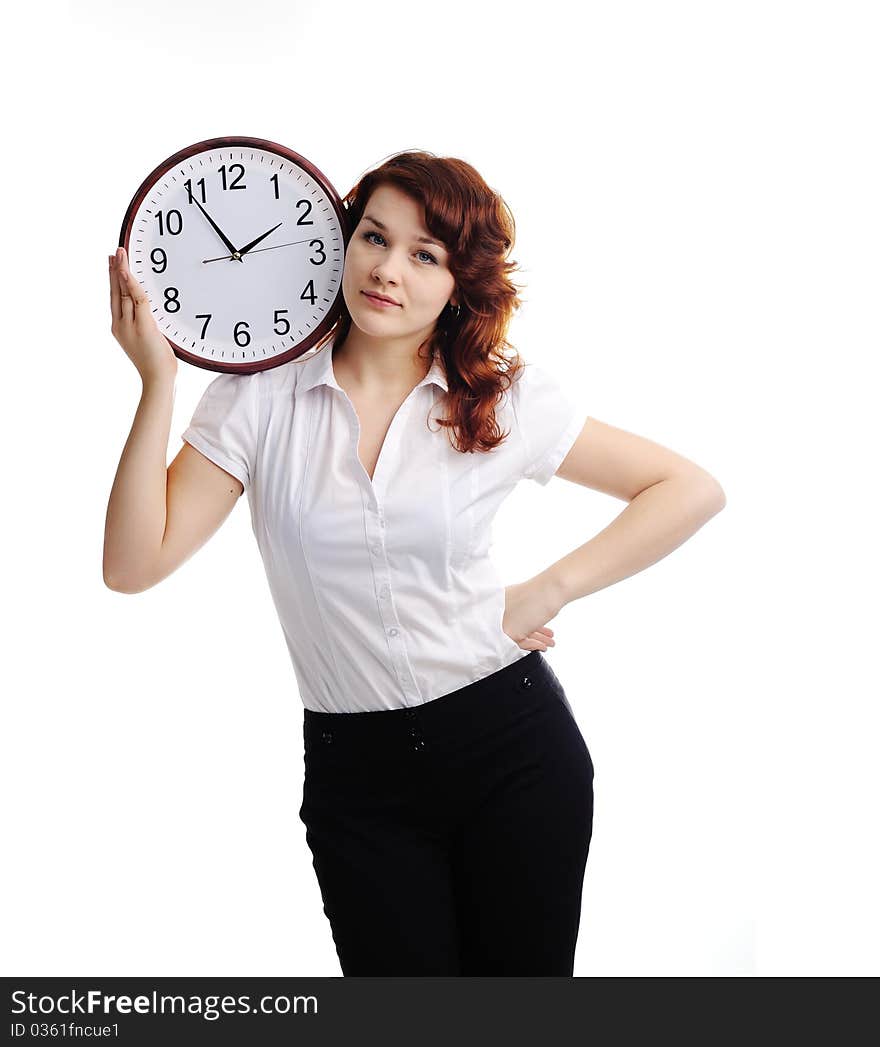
<point>240,250</point>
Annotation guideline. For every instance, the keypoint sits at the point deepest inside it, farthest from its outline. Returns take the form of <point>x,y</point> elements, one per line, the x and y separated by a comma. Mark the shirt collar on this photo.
<point>318,370</point>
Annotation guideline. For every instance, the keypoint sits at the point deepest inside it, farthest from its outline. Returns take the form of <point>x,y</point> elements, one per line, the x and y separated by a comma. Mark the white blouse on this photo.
<point>385,589</point>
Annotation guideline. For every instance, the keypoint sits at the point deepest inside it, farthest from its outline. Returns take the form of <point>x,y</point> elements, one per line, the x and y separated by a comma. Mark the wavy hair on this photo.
<point>477,227</point>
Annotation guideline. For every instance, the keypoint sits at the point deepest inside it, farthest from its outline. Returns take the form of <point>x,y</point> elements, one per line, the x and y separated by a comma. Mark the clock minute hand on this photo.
<point>219,231</point>
<point>254,243</point>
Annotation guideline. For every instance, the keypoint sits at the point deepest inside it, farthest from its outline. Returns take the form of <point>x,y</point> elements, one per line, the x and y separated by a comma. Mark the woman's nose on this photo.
<point>390,266</point>
<point>386,273</point>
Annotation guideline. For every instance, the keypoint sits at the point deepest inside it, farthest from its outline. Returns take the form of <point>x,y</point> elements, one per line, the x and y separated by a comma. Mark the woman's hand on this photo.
<point>527,606</point>
<point>134,326</point>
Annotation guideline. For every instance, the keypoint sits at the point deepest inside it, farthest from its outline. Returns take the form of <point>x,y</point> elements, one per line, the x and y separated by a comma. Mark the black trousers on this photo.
<point>451,838</point>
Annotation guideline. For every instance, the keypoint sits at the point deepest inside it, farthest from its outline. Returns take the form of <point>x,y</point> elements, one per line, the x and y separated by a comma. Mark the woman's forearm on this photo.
<point>653,524</point>
<point>135,522</point>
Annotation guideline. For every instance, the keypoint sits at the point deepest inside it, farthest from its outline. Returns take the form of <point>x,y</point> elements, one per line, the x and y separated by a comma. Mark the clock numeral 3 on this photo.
<point>320,250</point>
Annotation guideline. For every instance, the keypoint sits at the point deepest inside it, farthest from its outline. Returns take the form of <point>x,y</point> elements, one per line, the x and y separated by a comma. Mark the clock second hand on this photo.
<point>225,257</point>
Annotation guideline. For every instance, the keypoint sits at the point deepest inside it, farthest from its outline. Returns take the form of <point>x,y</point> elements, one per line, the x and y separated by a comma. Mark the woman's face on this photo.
<point>386,256</point>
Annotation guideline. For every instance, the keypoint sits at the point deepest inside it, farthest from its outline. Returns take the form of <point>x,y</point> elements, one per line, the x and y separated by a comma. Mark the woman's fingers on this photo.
<point>115,300</point>
<point>536,641</point>
<point>529,644</point>
<point>130,291</point>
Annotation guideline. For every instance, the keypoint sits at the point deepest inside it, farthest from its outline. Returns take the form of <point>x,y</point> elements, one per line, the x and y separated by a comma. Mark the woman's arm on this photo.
<point>670,498</point>
<point>135,521</point>
<point>157,517</point>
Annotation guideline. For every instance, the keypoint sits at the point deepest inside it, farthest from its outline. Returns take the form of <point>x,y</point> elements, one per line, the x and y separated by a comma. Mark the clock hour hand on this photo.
<point>254,243</point>
<point>219,232</point>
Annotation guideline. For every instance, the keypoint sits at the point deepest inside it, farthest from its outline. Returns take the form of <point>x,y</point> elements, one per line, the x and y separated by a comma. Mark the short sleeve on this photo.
<point>224,424</point>
<point>549,419</point>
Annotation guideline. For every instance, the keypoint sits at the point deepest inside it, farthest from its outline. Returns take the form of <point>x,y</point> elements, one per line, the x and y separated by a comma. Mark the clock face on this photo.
<point>239,244</point>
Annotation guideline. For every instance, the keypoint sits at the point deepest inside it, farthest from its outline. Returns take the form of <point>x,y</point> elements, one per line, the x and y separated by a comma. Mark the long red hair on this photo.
<point>476,225</point>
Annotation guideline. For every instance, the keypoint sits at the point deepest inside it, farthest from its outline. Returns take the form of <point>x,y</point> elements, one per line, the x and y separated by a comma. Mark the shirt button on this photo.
<point>375,550</point>
<point>526,682</point>
<point>392,632</point>
<point>383,591</point>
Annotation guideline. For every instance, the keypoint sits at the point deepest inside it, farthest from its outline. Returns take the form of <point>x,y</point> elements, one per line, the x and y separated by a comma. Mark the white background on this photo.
<point>695,192</point>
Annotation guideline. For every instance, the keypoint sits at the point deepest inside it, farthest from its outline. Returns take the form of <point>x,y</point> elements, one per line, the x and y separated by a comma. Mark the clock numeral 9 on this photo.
<point>161,260</point>
<point>171,219</point>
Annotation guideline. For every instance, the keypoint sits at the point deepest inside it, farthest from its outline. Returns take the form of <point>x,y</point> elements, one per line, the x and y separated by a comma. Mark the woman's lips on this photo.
<point>379,303</point>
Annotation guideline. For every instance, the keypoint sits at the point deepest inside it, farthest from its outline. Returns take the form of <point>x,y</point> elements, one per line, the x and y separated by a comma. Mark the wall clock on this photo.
<point>239,244</point>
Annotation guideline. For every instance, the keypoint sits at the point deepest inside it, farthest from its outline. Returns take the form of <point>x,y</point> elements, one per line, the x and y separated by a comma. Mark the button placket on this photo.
<point>374,519</point>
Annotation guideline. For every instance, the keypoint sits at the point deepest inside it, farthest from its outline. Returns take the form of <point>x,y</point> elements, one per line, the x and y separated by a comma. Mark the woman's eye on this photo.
<point>370,232</point>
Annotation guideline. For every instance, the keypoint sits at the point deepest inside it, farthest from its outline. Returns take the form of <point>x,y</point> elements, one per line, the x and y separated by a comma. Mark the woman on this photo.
<point>448,793</point>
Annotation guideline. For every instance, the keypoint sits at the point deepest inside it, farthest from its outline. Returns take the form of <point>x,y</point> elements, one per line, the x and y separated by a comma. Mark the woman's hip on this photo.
<point>512,720</point>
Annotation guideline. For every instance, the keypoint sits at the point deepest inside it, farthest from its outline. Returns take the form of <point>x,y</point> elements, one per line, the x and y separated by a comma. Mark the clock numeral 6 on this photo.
<point>245,333</point>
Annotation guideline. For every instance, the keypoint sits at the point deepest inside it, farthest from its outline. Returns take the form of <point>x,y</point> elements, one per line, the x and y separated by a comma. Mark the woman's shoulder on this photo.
<point>280,379</point>
<point>525,380</point>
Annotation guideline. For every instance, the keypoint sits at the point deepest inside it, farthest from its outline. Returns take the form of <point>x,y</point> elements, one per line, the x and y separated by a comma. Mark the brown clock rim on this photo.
<point>235,141</point>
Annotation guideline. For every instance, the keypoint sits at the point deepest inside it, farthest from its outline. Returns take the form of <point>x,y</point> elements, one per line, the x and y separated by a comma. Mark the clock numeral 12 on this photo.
<point>238,177</point>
